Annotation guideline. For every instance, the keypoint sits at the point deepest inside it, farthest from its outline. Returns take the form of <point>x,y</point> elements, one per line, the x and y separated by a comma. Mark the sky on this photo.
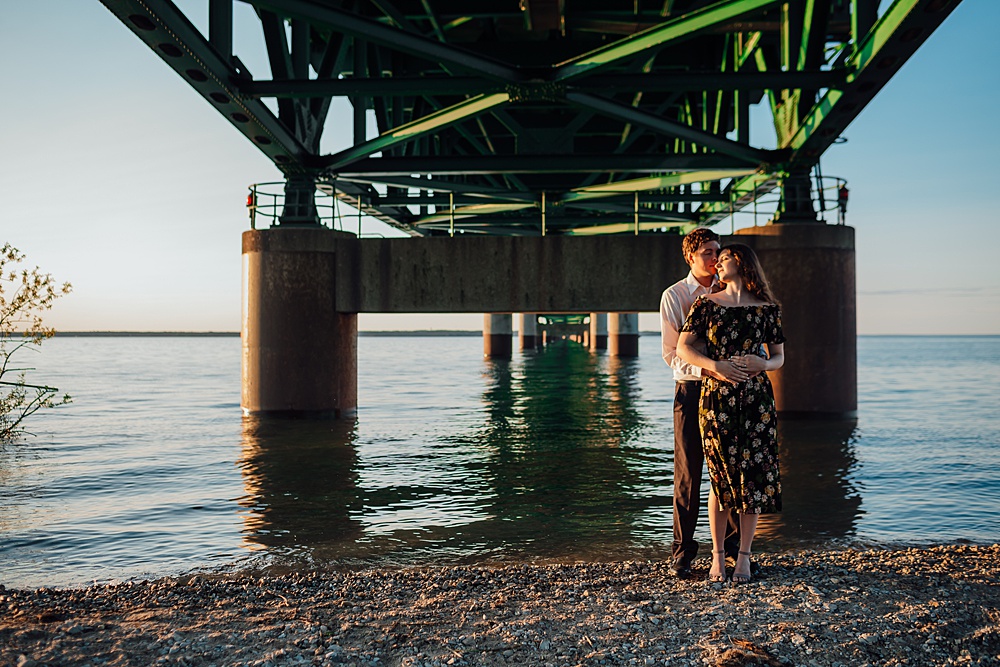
<point>116,176</point>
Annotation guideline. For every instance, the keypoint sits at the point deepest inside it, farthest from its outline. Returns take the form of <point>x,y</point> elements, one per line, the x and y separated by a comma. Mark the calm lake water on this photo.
<point>557,455</point>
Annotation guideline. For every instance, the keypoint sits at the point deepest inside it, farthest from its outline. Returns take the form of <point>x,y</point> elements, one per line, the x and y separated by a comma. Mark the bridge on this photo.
<point>542,156</point>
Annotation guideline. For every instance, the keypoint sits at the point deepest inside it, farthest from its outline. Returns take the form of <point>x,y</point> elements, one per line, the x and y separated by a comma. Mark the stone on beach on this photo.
<point>934,606</point>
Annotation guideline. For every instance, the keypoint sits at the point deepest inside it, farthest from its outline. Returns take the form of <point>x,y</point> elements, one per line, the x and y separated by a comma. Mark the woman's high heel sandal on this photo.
<point>742,578</point>
<point>718,578</point>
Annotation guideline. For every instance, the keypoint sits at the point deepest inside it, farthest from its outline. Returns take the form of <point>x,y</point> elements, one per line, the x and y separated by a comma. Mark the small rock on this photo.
<point>25,661</point>
<point>545,645</point>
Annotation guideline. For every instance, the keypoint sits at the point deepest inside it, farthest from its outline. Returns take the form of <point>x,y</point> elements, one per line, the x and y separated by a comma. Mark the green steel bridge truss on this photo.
<point>536,117</point>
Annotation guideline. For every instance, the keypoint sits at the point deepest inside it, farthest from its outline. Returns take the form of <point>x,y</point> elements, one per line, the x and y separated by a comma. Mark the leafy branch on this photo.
<point>25,294</point>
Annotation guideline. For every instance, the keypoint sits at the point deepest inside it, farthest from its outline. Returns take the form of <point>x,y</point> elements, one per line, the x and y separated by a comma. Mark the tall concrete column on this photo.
<point>623,334</point>
<point>300,356</point>
<point>598,331</point>
<point>498,331</point>
<point>527,334</point>
<point>811,267</point>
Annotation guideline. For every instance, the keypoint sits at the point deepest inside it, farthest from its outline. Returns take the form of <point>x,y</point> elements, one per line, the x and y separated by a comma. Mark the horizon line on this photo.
<point>410,332</point>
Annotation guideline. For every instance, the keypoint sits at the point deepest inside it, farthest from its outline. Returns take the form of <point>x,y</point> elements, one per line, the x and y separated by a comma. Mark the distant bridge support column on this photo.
<point>497,333</point>
<point>598,331</point>
<point>300,356</point>
<point>811,268</point>
<point>623,334</point>
<point>527,334</point>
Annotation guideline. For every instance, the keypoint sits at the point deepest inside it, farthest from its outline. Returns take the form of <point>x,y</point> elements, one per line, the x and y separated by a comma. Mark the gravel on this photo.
<point>920,606</point>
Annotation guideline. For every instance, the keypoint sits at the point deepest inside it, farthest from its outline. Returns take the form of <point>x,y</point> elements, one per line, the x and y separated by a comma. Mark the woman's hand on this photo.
<point>731,370</point>
<point>752,363</point>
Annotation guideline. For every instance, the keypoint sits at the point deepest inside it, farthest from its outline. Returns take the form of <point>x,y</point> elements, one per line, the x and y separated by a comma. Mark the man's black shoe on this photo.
<point>681,568</point>
<point>754,567</point>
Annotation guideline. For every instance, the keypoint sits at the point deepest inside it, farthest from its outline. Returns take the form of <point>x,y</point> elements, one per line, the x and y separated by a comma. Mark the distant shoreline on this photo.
<point>231,334</point>
<point>428,333</point>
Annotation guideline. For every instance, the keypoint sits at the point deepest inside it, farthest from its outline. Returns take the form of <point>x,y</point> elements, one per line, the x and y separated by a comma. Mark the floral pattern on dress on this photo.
<point>739,422</point>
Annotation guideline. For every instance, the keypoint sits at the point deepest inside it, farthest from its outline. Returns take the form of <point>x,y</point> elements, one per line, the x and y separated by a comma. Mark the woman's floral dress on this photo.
<point>738,422</point>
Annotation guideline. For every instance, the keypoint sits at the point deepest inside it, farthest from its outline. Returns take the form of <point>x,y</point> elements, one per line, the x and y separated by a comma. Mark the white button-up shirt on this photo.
<point>674,306</point>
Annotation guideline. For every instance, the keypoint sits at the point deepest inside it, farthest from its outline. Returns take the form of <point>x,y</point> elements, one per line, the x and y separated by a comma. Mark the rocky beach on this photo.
<point>856,606</point>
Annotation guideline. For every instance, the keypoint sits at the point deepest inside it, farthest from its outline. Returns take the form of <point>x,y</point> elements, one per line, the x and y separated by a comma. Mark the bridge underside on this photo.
<point>537,117</point>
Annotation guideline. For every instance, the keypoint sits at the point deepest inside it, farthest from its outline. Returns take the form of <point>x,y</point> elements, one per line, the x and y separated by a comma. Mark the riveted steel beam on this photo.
<point>165,30</point>
<point>670,128</point>
<point>625,227</point>
<point>684,26</point>
<point>889,44</point>
<point>466,85</point>
<point>627,211</point>
<point>343,21</point>
<point>539,164</point>
<point>220,27</point>
<point>436,185</point>
<point>415,129</point>
<point>472,210</point>
<point>740,193</point>
<point>652,183</point>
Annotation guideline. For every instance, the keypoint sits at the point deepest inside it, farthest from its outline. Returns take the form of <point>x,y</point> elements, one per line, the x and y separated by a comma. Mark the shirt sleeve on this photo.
<point>671,318</point>
<point>775,334</point>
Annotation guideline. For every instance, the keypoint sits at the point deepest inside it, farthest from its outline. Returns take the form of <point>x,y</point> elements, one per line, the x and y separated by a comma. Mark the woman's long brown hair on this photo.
<point>750,271</point>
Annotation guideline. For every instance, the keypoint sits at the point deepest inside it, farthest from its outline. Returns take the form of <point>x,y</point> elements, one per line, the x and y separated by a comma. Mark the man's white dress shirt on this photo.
<point>674,306</point>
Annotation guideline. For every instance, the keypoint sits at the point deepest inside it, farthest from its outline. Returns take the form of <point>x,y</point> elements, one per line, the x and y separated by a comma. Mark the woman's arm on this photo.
<point>726,370</point>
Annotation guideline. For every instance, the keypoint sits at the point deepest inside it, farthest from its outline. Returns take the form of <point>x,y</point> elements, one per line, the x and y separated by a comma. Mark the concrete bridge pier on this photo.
<point>527,334</point>
<point>811,267</point>
<point>598,331</point>
<point>498,330</point>
<point>300,356</point>
<point>623,334</point>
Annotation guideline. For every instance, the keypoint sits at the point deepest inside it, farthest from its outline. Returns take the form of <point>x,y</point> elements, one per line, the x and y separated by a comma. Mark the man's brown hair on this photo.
<point>694,240</point>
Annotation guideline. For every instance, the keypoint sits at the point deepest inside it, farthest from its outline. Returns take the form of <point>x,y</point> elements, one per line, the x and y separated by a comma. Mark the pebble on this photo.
<point>610,614</point>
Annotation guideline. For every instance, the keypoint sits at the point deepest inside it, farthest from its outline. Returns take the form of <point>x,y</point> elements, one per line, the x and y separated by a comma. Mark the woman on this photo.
<point>737,414</point>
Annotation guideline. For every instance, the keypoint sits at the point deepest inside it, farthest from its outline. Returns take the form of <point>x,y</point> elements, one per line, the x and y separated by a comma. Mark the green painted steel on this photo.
<point>685,26</point>
<point>582,118</point>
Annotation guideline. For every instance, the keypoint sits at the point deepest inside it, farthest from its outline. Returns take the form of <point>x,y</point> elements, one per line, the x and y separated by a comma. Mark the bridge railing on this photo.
<point>829,195</point>
<point>266,202</point>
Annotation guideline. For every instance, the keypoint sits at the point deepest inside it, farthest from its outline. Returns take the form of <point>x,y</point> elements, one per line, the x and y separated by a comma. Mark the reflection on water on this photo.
<point>557,454</point>
<point>818,462</point>
<point>557,460</point>
<point>300,485</point>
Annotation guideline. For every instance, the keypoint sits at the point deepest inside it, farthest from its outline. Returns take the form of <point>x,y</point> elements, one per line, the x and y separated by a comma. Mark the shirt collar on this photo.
<point>693,284</point>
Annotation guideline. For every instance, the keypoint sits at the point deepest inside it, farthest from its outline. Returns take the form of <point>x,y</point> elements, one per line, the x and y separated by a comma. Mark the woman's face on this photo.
<point>727,266</point>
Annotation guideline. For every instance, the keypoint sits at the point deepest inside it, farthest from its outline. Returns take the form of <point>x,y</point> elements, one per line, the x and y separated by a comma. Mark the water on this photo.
<point>558,455</point>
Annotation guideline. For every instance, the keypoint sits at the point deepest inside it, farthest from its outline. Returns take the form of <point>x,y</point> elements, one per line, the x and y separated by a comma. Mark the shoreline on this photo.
<point>937,605</point>
<point>429,333</point>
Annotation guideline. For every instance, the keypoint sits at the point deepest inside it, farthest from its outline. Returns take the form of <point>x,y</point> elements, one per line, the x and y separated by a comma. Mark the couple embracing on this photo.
<point>721,330</point>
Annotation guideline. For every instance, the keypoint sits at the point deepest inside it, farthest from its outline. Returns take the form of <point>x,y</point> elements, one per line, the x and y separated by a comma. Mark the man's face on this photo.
<point>703,259</point>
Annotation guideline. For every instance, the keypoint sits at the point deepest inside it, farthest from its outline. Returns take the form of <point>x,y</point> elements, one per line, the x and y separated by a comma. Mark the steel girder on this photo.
<point>597,117</point>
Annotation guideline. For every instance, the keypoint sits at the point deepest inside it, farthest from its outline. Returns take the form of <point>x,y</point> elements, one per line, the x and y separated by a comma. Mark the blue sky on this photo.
<point>114,175</point>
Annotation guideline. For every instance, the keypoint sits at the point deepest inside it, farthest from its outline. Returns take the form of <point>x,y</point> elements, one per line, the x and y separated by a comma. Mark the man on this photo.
<point>701,251</point>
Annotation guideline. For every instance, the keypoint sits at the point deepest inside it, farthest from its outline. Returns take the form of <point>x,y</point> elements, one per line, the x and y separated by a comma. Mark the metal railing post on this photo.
<point>543,212</point>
